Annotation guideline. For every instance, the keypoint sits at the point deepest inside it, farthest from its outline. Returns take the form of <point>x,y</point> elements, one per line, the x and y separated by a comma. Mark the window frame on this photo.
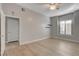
<point>65,31</point>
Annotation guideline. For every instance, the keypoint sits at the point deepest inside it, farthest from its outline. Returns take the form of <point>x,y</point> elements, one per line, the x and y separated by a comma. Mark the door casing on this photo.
<point>18,29</point>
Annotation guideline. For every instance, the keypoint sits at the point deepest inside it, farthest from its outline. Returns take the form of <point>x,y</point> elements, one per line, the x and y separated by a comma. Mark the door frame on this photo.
<point>18,26</point>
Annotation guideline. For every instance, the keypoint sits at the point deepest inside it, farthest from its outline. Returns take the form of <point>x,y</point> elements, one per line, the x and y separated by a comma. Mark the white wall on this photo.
<point>32,24</point>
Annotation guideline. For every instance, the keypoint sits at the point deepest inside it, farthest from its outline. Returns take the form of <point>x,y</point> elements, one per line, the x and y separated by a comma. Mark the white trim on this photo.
<point>28,42</point>
<point>12,16</point>
<point>66,39</point>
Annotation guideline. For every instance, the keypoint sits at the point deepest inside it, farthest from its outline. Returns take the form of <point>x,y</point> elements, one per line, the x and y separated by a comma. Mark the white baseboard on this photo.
<point>66,39</point>
<point>28,42</point>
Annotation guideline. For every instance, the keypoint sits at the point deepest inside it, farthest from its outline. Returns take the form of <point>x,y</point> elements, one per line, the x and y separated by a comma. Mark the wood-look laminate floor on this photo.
<point>47,47</point>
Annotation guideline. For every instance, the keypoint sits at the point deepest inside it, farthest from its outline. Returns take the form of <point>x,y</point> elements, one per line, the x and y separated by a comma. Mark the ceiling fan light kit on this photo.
<point>54,6</point>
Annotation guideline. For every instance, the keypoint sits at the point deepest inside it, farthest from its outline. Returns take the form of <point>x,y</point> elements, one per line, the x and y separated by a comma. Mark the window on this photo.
<point>65,27</point>
<point>68,27</point>
<point>62,27</point>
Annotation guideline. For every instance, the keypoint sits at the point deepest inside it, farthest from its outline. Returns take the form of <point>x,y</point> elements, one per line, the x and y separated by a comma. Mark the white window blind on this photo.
<point>68,27</point>
<point>65,27</point>
<point>62,27</point>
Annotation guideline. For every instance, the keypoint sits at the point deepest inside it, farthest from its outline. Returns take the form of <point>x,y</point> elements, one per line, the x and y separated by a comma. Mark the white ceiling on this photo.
<point>43,8</point>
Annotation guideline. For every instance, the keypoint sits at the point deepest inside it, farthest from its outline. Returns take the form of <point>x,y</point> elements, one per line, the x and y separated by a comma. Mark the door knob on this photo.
<point>2,35</point>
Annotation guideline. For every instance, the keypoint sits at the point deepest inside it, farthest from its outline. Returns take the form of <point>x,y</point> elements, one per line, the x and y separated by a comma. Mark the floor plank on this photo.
<point>47,47</point>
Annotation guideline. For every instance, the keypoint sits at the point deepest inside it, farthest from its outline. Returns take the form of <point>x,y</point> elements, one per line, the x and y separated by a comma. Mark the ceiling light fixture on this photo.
<point>54,6</point>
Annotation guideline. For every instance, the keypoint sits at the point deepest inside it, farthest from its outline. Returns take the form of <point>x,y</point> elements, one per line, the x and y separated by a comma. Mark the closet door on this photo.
<point>12,29</point>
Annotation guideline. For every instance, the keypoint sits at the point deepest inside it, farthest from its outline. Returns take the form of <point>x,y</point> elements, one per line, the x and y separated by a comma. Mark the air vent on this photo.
<point>22,9</point>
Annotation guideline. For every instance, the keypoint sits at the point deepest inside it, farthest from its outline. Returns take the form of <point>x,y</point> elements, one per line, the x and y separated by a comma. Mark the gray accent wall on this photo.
<point>76,26</point>
<point>54,30</point>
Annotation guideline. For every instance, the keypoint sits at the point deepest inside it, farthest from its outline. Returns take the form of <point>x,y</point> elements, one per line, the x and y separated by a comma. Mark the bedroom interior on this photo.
<point>39,29</point>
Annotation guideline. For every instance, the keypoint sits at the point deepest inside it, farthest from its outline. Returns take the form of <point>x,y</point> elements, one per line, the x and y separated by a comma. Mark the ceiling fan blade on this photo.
<point>46,5</point>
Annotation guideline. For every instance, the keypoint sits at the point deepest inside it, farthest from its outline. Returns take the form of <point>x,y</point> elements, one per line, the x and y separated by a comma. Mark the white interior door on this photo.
<point>12,29</point>
<point>2,28</point>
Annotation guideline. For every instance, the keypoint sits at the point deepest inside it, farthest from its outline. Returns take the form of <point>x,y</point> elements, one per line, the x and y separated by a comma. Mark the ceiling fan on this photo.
<point>54,6</point>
